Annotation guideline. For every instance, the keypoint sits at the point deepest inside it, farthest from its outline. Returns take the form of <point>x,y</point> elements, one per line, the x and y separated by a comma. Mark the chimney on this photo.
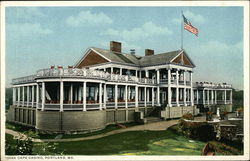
<point>149,52</point>
<point>132,51</point>
<point>115,46</point>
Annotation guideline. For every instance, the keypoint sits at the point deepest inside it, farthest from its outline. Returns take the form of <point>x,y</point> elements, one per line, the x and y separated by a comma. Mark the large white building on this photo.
<point>109,86</point>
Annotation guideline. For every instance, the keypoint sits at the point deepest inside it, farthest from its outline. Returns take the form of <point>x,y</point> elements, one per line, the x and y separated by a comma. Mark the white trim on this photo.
<point>184,52</point>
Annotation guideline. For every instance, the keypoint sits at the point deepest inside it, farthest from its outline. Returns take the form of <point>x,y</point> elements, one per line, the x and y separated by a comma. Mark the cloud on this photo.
<point>27,29</point>
<point>29,12</point>
<point>194,17</point>
<point>147,30</point>
<point>86,18</point>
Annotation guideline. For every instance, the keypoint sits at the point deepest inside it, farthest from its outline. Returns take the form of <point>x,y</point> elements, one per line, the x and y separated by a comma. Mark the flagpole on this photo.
<point>181,30</point>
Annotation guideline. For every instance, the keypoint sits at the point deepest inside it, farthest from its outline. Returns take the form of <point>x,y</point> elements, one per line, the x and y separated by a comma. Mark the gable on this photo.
<point>182,59</point>
<point>90,59</point>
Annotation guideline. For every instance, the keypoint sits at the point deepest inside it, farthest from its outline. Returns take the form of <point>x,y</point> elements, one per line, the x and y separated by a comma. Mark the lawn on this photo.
<point>133,143</point>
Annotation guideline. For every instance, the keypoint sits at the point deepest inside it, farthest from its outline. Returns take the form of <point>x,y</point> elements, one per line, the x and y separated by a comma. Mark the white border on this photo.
<point>244,4</point>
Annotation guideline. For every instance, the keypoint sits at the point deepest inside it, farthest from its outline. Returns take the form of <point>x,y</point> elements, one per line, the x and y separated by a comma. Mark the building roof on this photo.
<point>137,60</point>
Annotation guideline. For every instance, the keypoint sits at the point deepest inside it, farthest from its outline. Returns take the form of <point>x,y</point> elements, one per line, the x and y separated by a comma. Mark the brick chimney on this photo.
<point>149,52</point>
<point>115,46</point>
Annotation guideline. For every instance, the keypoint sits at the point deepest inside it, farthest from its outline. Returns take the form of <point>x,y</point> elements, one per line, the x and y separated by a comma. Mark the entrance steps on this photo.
<point>153,119</point>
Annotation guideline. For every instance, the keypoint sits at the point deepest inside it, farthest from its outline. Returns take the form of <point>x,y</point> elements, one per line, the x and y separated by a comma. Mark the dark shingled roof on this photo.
<point>138,60</point>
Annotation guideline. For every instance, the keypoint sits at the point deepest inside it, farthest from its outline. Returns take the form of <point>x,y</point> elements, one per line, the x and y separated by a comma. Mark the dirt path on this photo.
<point>156,126</point>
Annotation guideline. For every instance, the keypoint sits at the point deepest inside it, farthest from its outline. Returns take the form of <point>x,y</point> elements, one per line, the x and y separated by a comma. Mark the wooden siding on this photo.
<point>91,59</point>
<point>183,57</point>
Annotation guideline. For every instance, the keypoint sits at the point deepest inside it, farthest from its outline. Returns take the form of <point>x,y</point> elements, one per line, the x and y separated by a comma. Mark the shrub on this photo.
<point>223,148</point>
<point>197,130</point>
<point>188,116</point>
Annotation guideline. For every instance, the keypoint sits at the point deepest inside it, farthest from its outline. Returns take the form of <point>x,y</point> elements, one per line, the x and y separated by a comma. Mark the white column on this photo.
<point>145,96</point>
<point>71,93</point>
<point>139,94</point>
<point>116,96</point>
<point>136,73</point>
<point>61,95</point>
<point>23,97</point>
<point>197,96</point>
<point>203,96</point>
<point>153,96</point>
<point>84,95</point>
<point>111,70</point>
<point>158,76</point>
<point>191,90</point>
<point>185,96</point>
<point>136,96</point>
<point>140,74</point>
<point>225,97</point>
<point>18,96</point>
<point>212,95</point>
<point>158,95</point>
<point>79,94</point>
<point>96,91</point>
<point>208,100</point>
<point>231,96</point>
<point>13,95</point>
<point>215,95</point>
<point>43,95</point>
<point>32,96</point>
<point>28,95</point>
<point>37,96</point>
<point>126,96</point>
<point>120,71</point>
<point>177,88</point>
<point>129,92</point>
<point>100,96</point>
<point>104,96</point>
<point>169,88</point>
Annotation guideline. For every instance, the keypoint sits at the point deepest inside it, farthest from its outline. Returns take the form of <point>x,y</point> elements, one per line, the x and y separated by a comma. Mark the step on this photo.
<point>153,119</point>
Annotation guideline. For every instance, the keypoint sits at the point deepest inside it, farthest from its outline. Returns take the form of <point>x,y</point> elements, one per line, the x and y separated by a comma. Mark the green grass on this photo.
<point>133,143</point>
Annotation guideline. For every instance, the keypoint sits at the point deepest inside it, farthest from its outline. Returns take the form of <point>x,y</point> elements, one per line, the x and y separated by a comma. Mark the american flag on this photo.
<point>188,26</point>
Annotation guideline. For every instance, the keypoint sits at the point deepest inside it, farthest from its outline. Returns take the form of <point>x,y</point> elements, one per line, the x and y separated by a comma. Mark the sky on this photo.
<point>38,37</point>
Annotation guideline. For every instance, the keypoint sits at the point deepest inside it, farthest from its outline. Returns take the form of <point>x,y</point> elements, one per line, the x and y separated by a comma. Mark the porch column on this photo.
<point>79,94</point>
<point>18,96</point>
<point>43,95</point>
<point>212,100</point>
<point>129,93</point>
<point>145,96</point>
<point>111,70</point>
<point>136,96</point>
<point>215,95</point>
<point>71,93</point>
<point>231,96</point>
<point>116,96</point>
<point>225,96</point>
<point>14,95</point>
<point>158,76</point>
<point>37,95</point>
<point>28,95</point>
<point>126,96</point>
<point>191,90</point>
<point>177,88</point>
<point>153,97</point>
<point>185,96</point>
<point>32,96</point>
<point>104,96</point>
<point>197,96</point>
<point>120,71</point>
<point>158,95</point>
<point>136,73</point>
<point>169,88</point>
<point>23,97</point>
<point>208,99</point>
<point>100,96</point>
<point>203,96</point>
<point>96,91</point>
<point>140,74</point>
<point>84,95</point>
<point>61,96</point>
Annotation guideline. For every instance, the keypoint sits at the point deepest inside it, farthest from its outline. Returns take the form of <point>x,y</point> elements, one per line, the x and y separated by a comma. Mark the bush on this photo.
<point>224,149</point>
<point>197,130</point>
<point>188,116</point>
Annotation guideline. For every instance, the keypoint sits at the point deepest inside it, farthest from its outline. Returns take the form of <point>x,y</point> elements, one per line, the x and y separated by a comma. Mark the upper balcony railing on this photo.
<point>82,73</point>
<point>211,85</point>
